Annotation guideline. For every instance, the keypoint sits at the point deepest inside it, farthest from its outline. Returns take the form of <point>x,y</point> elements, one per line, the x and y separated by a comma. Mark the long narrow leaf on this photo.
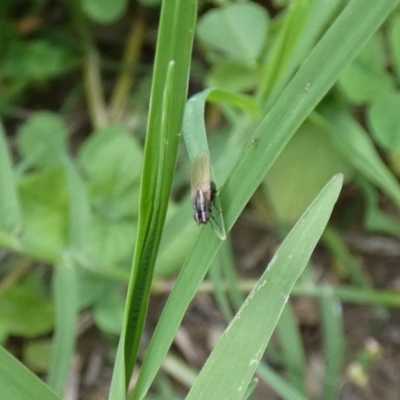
<point>337,48</point>
<point>170,81</point>
<point>10,214</point>
<point>280,385</point>
<point>66,305</point>
<point>352,140</point>
<point>17,382</point>
<point>231,365</point>
<point>334,343</point>
<point>292,346</point>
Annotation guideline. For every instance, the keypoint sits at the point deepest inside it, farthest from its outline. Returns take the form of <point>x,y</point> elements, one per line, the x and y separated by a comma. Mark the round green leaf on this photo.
<point>366,77</point>
<point>37,355</point>
<point>109,313</point>
<point>44,201</point>
<point>111,160</point>
<point>238,31</point>
<point>301,170</point>
<point>385,123</point>
<point>43,139</point>
<point>36,60</point>
<point>24,314</point>
<point>112,244</point>
<point>104,11</point>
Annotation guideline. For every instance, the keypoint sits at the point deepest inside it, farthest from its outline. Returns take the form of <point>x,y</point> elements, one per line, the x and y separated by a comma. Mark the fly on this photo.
<point>203,188</point>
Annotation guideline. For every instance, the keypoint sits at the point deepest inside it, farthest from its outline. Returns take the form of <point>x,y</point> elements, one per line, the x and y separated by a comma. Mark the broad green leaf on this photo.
<point>366,77</point>
<point>35,60</point>
<point>111,242</point>
<point>10,212</point>
<point>384,121</point>
<point>230,367</point>
<point>301,170</point>
<point>109,313</point>
<point>238,31</point>
<point>234,77</point>
<point>43,139</point>
<point>45,208</point>
<point>17,382</point>
<point>36,355</point>
<point>111,160</point>
<point>24,313</point>
<point>104,11</point>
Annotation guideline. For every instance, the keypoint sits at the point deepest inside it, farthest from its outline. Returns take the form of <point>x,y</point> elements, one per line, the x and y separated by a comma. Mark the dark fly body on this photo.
<point>203,188</point>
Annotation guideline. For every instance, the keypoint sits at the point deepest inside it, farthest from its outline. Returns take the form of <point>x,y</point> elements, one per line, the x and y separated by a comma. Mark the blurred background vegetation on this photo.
<point>75,81</point>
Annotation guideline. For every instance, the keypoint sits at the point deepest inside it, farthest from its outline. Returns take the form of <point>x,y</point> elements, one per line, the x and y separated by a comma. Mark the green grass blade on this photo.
<point>334,343</point>
<point>17,382</point>
<point>318,73</point>
<point>278,384</point>
<point>80,213</point>
<point>319,15</point>
<point>10,214</point>
<point>353,295</point>
<point>234,360</point>
<point>221,297</point>
<point>66,306</point>
<point>170,81</point>
<point>376,220</point>
<point>287,41</point>
<point>118,384</point>
<point>352,140</point>
<point>231,276</point>
<point>340,250</point>
<point>292,346</point>
<point>195,135</point>
<point>194,128</point>
<point>65,280</point>
<point>337,48</point>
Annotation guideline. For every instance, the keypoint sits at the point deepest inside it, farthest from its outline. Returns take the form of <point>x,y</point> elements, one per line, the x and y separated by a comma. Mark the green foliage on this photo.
<point>104,11</point>
<point>17,382</point>
<point>366,78</point>
<point>31,63</point>
<point>35,314</point>
<point>301,170</point>
<point>45,207</point>
<point>237,31</point>
<point>37,355</point>
<point>24,62</point>
<point>248,334</point>
<point>90,210</point>
<point>384,121</point>
<point>42,140</point>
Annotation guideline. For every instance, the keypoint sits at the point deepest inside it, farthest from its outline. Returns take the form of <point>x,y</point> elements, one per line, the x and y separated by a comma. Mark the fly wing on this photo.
<point>201,173</point>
